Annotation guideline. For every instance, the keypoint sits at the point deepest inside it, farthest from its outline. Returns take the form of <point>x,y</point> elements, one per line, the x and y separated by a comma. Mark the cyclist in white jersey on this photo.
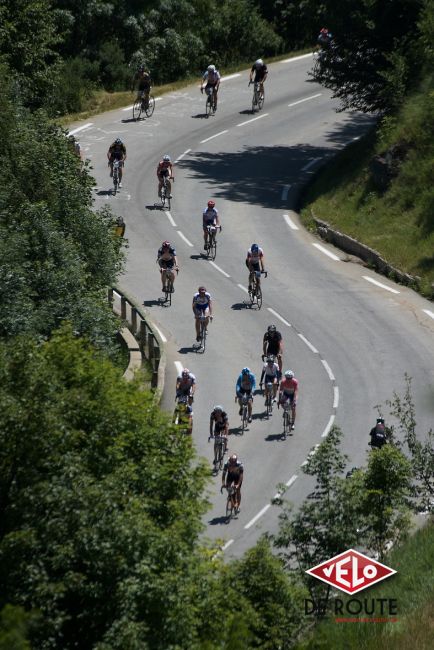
<point>210,217</point>
<point>202,304</point>
<point>270,373</point>
<point>211,82</point>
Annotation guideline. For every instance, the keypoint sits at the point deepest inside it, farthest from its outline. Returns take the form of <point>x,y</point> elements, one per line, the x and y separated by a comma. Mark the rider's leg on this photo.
<point>120,172</point>
<point>274,390</point>
<point>249,408</point>
<point>215,96</point>
<point>111,167</point>
<point>163,278</point>
<point>160,185</point>
<point>197,326</point>
<point>205,237</point>
<point>293,414</point>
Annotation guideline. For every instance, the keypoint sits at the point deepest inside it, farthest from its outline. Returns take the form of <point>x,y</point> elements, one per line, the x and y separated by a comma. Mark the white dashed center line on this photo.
<point>285,322</point>
<point>228,543</point>
<point>80,128</point>
<point>285,190</point>
<point>219,269</point>
<point>310,164</point>
<point>327,252</point>
<point>328,370</point>
<point>256,517</point>
<point>216,135</point>
<point>306,99</point>
<point>184,238</point>
<point>243,288</point>
<point>182,155</point>
<point>379,284</point>
<point>308,343</point>
<point>253,119</point>
<point>169,216</point>
<point>290,222</point>
<point>428,313</point>
<point>327,429</point>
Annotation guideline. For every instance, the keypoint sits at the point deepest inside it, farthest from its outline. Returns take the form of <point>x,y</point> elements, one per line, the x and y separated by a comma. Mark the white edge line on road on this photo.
<point>213,136</point>
<point>228,543</point>
<point>335,397</point>
<point>182,155</point>
<point>160,333</point>
<point>379,284</point>
<point>297,58</point>
<point>306,99</point>
<point>310,164</point>
<point>285,322</point>
<point>184,238</point>
<point>328,370</point>
<point>256,517</point>
<point>327,252</point>
<point>285,190</point>
<point>253,119</point>
<point>80,128</point>
<point>328,427</point>
<point>231,76</point>
<point>243,288</point>
<point>219,269</point>
<point>290,222</point>
<point>311,453</point>
<point>308,343</point>
<point>291,480</point>
<point>179,367</point>
<point>428,312</point>
<point>169,216</point>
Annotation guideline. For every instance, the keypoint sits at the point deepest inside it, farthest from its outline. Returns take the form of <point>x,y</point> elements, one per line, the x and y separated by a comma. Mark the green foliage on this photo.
<point>58,256</point>
<point>13,629</point>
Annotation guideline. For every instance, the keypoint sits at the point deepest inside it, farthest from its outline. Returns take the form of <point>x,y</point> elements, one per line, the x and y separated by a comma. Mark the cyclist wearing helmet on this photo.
<point>211,82</point>
<point>166,258</point>
<point>270,372</point>
<point>324,38</point>
<point>255,262</point>
<point>165,169</point>
<point>186,386</point>
<point>272,345</point>
<point>143,80</point>
<point>246,384</point>
<point>260,70</point>
<point>219,424</point>
<point>289,390</point>
<point>210,217</point>
<point>233,473</point>
<point>183,416</point>
<point>202,304</point>
<point>378,434</point>
<point>117,151</point>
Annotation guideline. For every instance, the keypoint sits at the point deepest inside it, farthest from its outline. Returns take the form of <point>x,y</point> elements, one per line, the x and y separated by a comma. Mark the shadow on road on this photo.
<point>187,350</point>
<point>240,305</point>
<point>129,119</point>
<point>274,437</point>
<point>218,520</point>
<point>151,303</point>
<point>200,115</point>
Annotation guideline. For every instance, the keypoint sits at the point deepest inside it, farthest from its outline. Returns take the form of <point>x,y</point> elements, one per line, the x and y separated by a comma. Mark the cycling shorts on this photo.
<point>245,391</point>
<point>287,396</point>
<point>167,264</point>
<point>270,378</point>
<point>199,306</point>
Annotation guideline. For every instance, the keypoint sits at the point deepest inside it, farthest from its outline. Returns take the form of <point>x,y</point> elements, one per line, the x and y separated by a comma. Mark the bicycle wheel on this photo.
<point>150,107</point>
<point>214,105</point>
<point>259,297</point>
<point>213,248</point>
<point>261,99</point>
<point>203,333</point>
<point>221,454</point>
<point>269,405</point>
<point>244,419</point>
<point>229,507</point>
<point>285,423</point>
<point>254,101</point>
<point>115,181</point>
<point>137,109</point>
<point>208,106</point>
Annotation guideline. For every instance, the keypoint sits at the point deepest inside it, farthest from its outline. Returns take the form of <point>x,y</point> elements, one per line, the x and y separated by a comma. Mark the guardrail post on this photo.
<point>110,296</point>
<point>123,308</point>
<point>133,320</point>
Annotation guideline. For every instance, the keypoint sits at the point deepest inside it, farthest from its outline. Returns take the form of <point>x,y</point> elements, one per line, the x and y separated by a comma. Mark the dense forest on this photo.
<point>101,500</point>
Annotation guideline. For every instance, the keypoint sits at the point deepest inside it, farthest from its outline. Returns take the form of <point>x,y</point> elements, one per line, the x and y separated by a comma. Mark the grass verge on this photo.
<point>397,222</point>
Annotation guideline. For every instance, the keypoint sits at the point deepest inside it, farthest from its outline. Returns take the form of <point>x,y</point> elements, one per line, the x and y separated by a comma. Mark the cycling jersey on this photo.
<point>117,151</point>
<point>273,342</point>
<point>246,383</point>
<point>166,257</point>
<point>209,217</point>
<point>201,302</point>
<point>255,257</point>
<point>234,471</point>
<point>185,383</point>
<point>144,79</point>
<point>212,77</point>
<point>164,167</point>
<point>219,424</point>
<point>271,371</point>
<point>289,386</point>
<point>259,72</point>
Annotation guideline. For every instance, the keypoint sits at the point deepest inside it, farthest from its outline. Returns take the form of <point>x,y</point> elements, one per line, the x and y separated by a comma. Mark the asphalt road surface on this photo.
<point>349,334</point>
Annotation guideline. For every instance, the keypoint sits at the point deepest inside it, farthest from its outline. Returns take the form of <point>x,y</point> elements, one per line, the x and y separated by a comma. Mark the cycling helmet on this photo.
<point>202,289</point>
<point>141,68</point>
<point>166,244</point>
<point>166,157</point>
<point>271,328</point>
<point>324,30</point>
<point>245,371</point>
<point>185,372</point>
<point>289,374</point>
<point>259,62</point>
<point>233,459</point>
<point>270,359</point>
<point>218,408</point>
<point>380,420</point>
<point>254,248</point>
<point>211,68</point>
<point>211,204</point>
<point>118,141</point>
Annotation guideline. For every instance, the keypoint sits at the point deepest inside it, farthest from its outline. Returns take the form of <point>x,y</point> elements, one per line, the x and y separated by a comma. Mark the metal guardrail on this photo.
<point>149,341</point>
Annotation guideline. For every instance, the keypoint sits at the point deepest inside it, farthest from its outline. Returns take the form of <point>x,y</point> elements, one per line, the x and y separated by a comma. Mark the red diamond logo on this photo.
<point>351,571</point>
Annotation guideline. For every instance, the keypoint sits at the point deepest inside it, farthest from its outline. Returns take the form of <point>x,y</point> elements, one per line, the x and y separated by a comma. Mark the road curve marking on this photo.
<point>327,252</point>
<point>308,343</point>
<point>297,58</point>
<point>187,241</point>
<point>219,269</point>
<point>290,222</point>
<point>182,155</point>
<point>216,135</point>
<point>327,429</point>
<point>291,480</point>
<point>256,517</point>
<point>179,367</point>
<point>335,397</point>
<point>169,216</point>
<point>428,312</point>
<point>306,99</point>
<point>253,119</point>
<point>285,190</point>
<point>228,543</point>
<point>310,164</point>
<point>80,128</point>
<point>328,370</point>
<point>231,76</point>
<point>243,288</point>
<point>379,284</point>
<point>279,317</point>
<point>160,333</point>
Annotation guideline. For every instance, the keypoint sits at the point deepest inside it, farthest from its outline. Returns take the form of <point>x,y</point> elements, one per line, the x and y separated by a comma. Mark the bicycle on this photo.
<point>269,398</point>
<point>258,96</point>
<point>211,244</point>
<point>203,332</point>
<point>287,418</point>
<point>255,291</point>
<point>143,104</point>
<point>219,452</point>
<point>168,286</point>
<point>244,412</point>
<point>231,502</point>
<point>117,164</point>
<point>181,418</point>
<point>165,194</point>
<point>211,102</point>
